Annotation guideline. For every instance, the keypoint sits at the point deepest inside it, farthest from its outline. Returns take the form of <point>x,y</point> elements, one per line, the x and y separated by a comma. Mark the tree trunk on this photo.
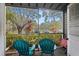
<point>19,28</point>
<point>19,31</point>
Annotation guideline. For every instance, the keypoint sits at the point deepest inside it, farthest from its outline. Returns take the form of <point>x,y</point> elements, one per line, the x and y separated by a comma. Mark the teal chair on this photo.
<point>47,46</point>
<point>22,47</point>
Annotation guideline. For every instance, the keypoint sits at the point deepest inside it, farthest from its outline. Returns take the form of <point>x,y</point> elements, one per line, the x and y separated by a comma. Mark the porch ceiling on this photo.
<point>53,6</point>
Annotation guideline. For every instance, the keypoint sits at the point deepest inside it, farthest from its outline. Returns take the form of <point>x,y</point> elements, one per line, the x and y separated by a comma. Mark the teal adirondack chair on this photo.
<point>47,46</point>
<point>21,46</point>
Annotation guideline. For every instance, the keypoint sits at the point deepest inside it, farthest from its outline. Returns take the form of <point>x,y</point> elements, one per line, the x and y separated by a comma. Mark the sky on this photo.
<point>24,11</point>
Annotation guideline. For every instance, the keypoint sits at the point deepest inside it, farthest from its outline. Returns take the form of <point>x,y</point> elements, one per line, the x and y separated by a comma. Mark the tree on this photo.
<point>14,19</point>
<point>21,20</point>
<point>55,26</point>
<point>52,25</point>
<point>34,15</point>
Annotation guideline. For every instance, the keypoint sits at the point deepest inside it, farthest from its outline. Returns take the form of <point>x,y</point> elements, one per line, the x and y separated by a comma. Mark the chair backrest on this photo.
<point>21,46</point>
<point>47,46</point>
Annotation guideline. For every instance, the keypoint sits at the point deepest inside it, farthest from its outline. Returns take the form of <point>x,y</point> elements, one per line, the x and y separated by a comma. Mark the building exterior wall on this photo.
<point>73,42</point>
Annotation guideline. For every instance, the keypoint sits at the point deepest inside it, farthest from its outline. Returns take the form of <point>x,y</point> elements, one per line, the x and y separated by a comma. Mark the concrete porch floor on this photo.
<point>57,52</point>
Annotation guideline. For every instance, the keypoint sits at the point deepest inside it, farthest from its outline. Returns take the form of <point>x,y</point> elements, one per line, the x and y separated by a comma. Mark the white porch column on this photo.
<point>2,28</point>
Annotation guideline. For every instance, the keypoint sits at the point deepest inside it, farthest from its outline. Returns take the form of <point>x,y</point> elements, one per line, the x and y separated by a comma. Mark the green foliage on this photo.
<point>34,38</point>
<point>10,16</point>
<point>55,26</point>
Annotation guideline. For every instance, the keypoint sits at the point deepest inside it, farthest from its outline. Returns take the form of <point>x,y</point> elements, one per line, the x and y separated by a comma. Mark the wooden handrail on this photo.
<point>8,47</point>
